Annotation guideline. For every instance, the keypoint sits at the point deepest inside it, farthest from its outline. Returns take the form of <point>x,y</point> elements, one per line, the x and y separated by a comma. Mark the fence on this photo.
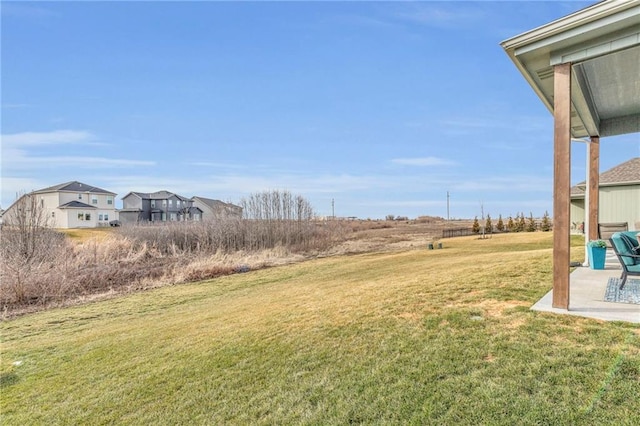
<point>457,232</point>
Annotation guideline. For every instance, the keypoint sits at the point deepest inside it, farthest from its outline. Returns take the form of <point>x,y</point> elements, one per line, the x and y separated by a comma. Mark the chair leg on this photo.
<point>624,280</point>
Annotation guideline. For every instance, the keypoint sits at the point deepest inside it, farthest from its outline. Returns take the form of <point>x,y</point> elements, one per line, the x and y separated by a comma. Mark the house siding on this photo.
<point>577,214</point>
<point>616,204</point>
<point>51,200</point>
<point>620,204</point>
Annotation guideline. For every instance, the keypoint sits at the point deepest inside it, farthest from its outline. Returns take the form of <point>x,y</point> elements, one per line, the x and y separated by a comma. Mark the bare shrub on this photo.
<point>41,267</point>
<point>208,272</point>
<point>271,219</point>
<point>30,252</point>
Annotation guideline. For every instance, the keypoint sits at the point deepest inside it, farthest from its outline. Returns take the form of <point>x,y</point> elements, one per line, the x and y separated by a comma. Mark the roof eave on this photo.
<point>582,17</point>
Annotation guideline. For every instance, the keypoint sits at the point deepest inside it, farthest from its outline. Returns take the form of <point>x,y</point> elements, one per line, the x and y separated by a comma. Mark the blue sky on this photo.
<point>380,106</point>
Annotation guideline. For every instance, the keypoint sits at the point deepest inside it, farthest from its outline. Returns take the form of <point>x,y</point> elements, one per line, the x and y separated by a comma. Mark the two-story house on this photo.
<point>160,206</point>
<point>69,205</point>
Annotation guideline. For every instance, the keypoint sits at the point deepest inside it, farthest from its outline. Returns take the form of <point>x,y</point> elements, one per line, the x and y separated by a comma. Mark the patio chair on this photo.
<point>626,247</point>
<point>606,230</point>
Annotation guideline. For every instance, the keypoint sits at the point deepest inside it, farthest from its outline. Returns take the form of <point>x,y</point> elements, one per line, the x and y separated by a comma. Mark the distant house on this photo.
<point>160,206</point>
<point>619,196</point>
<point>70,205</point>
<point>216,209</point>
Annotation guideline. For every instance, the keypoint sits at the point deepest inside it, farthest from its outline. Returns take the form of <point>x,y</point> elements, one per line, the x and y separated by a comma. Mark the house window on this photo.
<point>42,202</point>
<point>87,216</point>
<point>94,199</point>
<point>106,216</point>
<point>170,203</point>
<point>164,203</point>
<point>196,216</point>
<point>153,204</point>
<point>53,214</point>
<point>79,196</point>
<point>100,216</point>
<point>80,216</point>
<point>178,203</point>
<point>109,200</point>
<point>173,217</point>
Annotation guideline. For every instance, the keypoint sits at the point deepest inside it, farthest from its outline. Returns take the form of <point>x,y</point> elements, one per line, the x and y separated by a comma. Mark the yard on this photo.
<point>408,336</point>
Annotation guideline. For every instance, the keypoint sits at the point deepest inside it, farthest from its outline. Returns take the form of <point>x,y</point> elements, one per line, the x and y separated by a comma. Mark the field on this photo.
<point>394,337</point>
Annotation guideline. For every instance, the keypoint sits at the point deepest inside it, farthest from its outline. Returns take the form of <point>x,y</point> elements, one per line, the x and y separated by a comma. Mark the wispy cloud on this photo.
<point>15,106</point>
<point>211,164</point>
<point>29,153</point>
<point>423,161</point>
<point>80,162</point>
<point>514,184</point>
<point>441,14</point>
<point>55,137</point>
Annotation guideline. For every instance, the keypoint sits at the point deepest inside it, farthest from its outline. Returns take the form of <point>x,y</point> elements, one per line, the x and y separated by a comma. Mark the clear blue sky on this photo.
<point>380,106</point>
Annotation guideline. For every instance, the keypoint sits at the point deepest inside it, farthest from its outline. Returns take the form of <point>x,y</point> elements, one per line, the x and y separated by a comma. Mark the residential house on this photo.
<point>160,206</point>
<point>619,196</point>
<point>69,205</point>
<point>216,209</point>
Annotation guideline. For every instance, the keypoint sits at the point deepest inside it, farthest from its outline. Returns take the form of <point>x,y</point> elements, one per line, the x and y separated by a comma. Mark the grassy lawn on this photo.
<point>413,337</point>
<point>84,234</point>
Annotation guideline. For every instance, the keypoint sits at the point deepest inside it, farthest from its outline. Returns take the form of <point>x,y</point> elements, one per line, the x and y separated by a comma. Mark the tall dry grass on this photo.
<point>60,271</point>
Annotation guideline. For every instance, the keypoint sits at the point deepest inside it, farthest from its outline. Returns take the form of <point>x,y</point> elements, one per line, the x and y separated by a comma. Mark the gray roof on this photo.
<point>76,205</point>
<point>627,173</point>
<point>75,186</point>
<point>216,203</point>
<point>158,195</point>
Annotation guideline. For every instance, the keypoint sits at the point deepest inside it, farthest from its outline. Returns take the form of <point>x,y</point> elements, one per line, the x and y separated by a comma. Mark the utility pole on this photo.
<point>447,206</point>
<point>333,208</point>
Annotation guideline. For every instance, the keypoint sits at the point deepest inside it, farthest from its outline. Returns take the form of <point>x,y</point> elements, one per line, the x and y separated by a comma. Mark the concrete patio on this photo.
<point>586,298</point>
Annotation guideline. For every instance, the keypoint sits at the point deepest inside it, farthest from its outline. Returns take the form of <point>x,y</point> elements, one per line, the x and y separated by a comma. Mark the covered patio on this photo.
<point>587,287</point>
<point>585,68</point>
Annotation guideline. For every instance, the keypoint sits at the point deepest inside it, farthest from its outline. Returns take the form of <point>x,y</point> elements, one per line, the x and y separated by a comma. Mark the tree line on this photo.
<point>517,224</point>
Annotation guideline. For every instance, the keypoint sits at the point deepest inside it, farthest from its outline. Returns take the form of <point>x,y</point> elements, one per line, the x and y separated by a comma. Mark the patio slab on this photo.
<point>586,296</point>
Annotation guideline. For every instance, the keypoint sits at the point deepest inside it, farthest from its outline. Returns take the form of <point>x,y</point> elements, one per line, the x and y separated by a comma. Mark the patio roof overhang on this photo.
<point>585,67</point>
<point>602,44</point>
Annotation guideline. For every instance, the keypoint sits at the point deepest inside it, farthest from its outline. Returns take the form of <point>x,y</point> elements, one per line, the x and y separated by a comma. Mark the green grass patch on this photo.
<point>418,337</point>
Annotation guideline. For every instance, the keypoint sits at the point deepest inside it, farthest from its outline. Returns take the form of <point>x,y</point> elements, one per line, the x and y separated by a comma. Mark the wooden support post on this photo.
<point>561,184</point>
<point>593,149</point>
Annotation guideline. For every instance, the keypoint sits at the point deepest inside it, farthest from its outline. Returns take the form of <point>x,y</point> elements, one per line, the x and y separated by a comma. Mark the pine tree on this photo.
<point>511,226</point>
<point>546,223</point>
<point>521,223</point>
<point>488,226</point>
<point>500,225</point>
<point>531,223</point>
<point>476,226</point>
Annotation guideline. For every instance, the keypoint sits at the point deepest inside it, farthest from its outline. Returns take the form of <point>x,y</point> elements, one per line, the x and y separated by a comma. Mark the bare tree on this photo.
<point>28,246</point>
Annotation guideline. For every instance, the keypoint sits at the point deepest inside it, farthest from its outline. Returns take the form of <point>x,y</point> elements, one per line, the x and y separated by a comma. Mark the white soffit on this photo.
<point>603,44</point>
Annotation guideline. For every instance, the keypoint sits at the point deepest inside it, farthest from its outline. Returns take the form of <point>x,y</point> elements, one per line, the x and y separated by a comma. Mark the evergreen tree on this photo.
<point>531,223</point>
<point>476,226</point>
<point>500,225</point>
<point>488,226</point>
<point>511,226</point>
<point>546,223</point>
<point>521,223</point>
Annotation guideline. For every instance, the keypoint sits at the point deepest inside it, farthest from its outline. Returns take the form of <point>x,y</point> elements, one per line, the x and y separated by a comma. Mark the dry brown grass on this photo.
<point>85,234</point>
<point>99,263</point>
